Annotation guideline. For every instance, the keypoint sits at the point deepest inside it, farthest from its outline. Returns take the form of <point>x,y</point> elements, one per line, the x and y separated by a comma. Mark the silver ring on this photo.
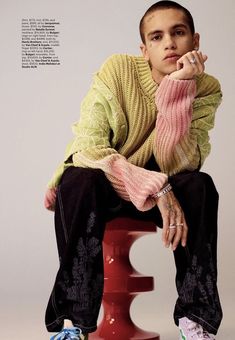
<point>192,61</point>
<point>179,224</point>
<point>172,226</point>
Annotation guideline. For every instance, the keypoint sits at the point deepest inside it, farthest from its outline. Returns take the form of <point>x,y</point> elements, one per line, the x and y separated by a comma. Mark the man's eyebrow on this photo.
<point>180,26</point>
<point>172,28</point>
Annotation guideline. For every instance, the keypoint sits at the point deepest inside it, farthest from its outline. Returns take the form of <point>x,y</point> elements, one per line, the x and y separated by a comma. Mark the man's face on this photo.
<point>167,38</point>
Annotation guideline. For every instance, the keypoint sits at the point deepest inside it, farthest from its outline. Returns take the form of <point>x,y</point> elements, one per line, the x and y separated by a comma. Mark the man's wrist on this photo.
<point>167,188</point>
<point>178,77</point>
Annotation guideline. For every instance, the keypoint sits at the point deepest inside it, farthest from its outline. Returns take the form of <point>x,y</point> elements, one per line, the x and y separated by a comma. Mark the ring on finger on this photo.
<point>179,224</point>
<point>192,60</point>
<point>172,226</point>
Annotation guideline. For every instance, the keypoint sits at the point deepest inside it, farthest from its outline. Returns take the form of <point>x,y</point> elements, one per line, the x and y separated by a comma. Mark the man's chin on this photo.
<point>159,74</point>
<point>171,69</point>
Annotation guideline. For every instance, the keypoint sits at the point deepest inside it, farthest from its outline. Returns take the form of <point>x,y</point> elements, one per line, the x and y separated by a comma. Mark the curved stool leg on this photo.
<point>122,282</point>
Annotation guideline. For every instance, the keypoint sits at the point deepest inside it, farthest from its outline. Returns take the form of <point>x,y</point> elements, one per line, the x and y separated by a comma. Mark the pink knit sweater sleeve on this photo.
<point>135,183</point>
<point>174,100</point>
<point>131,182</point>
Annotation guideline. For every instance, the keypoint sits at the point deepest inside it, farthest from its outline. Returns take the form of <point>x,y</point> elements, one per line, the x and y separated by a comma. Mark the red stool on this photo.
<point>122,282</point>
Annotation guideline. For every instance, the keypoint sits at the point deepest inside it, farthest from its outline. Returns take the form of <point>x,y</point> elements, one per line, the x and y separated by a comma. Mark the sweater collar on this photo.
<point>144,74</point>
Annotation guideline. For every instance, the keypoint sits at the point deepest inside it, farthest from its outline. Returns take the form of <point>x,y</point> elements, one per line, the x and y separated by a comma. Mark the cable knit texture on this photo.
<point>126,118</point>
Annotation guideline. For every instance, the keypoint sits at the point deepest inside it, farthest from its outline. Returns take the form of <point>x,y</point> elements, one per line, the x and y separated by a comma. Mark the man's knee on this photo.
<point>78,176</point>
<point>195,184</point>
<point>203,182</point>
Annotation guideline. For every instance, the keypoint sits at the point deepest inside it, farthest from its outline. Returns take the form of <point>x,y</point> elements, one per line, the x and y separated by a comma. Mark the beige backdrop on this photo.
<point>37,110</point>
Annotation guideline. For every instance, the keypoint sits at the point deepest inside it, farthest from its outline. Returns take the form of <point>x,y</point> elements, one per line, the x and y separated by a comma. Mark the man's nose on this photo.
<point>169,42</point>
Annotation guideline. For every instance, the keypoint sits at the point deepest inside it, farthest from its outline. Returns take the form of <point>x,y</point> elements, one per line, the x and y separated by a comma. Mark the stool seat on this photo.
<point>130,224</point>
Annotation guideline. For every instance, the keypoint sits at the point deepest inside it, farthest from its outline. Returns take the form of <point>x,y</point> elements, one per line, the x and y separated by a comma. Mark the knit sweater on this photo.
<point>126,118</point>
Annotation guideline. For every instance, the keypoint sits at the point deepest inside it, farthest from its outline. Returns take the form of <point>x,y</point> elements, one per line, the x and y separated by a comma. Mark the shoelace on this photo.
<point>69,333</point>
<point>197,330</point>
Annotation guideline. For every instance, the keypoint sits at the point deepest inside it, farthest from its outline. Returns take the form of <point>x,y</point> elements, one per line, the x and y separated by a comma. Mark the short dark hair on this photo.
<point>165,5</point>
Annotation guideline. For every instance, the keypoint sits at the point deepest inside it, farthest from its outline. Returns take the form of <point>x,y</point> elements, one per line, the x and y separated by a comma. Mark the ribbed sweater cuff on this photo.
<point>140,184</point>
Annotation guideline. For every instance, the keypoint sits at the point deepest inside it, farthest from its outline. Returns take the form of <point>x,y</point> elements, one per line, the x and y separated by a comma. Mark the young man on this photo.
<point>139,144</point>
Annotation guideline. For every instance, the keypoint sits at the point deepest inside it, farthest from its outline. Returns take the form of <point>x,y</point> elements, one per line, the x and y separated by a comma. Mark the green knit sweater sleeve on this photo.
<point>102,126</point>
<point>93,133</point>
<point>205,105</point>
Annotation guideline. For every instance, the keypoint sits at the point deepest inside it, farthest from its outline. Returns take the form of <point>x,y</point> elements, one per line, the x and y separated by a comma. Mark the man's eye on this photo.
<point>179,32</point>
<point>156,37</point>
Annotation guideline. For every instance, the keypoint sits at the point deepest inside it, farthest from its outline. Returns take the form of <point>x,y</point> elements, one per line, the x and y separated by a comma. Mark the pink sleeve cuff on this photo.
<point>135,182</point>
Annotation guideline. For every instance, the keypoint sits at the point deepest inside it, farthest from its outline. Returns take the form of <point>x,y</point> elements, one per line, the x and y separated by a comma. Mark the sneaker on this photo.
<point>73,333</point>
<point>190,330</point>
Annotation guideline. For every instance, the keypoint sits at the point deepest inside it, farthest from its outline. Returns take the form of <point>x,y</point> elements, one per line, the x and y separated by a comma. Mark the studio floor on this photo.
<point>26,322</point>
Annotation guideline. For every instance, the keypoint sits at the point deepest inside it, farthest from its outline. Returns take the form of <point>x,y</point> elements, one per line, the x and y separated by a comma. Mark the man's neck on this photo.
<point>157,76</point>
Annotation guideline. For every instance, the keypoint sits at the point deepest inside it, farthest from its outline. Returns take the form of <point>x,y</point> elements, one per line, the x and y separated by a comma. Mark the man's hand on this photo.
<point>189,65</point>
<point>175,228</point>
<point>49,200</point>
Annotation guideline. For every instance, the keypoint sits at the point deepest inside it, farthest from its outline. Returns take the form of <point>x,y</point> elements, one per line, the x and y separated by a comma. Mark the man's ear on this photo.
<point>196,40</point>
<point>144,51</point>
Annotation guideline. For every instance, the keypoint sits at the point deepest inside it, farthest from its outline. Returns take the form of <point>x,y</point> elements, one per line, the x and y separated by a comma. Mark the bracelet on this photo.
<point>162,192</point>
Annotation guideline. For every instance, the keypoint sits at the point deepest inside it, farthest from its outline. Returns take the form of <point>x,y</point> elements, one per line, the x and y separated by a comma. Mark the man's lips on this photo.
<point>172,57</point>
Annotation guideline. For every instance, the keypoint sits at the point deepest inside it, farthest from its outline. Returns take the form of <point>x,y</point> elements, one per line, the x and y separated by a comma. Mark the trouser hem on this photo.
<point>57,326</point>
<point>205,325</point>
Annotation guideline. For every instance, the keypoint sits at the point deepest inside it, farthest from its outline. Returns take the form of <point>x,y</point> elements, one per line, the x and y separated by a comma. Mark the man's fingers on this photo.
<point>178,230</point>
<point>204,57</point>
<point>165,229</point>
<point>199,63</point>
<point>172,225</point>
<point>48,204</point>
<point>53,194</point>
<point>50,198</point>
<point>188,58</point>
<point>184,235</point>
<point>175,229</point>
<point>179,64</point>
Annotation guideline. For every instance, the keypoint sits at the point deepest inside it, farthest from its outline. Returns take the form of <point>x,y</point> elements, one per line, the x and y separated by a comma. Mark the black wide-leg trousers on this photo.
<point>85,202</point>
